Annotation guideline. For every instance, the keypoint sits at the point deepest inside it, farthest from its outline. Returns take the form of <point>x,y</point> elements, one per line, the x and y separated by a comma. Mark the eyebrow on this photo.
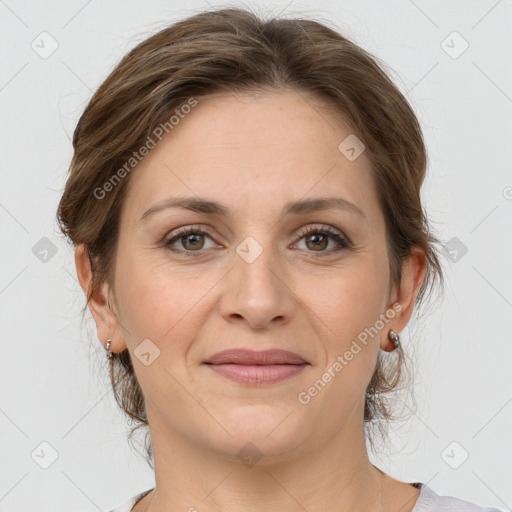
<point>210,207</point>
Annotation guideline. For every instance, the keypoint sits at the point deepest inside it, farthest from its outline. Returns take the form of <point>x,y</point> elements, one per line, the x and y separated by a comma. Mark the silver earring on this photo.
<point>107,348</point>
<point>395,338</point>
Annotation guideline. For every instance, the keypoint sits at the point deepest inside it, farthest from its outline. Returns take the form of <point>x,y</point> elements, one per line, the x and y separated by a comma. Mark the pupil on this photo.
<point>317,240</point>
<point>192,240</point>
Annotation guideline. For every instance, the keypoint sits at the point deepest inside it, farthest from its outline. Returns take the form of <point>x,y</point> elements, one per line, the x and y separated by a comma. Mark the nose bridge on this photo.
<point>257,260</point>
<point>258,294</point>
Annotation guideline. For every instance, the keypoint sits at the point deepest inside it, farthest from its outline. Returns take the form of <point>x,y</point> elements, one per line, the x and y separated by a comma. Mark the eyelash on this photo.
<point>343,243</point>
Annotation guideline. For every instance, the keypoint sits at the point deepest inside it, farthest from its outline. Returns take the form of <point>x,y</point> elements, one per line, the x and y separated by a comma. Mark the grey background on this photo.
<point>53,384</point>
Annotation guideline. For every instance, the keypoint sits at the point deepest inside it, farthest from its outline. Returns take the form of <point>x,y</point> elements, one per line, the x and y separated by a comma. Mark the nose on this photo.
<point>257,289</point>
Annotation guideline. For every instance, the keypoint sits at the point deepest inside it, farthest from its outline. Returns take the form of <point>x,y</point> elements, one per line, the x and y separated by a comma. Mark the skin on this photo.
<point>254,153</point>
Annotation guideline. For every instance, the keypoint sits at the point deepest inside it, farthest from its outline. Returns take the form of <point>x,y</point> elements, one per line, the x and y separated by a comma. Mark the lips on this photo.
<point>255,357</point>
<point>256,368</point>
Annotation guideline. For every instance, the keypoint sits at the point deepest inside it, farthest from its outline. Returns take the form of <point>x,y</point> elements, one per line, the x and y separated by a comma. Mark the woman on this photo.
<point>244,199</point>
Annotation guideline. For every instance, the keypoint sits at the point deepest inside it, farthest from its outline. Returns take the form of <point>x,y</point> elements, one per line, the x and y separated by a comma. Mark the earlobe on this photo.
<point>413,275</point>
<point>104,317</point>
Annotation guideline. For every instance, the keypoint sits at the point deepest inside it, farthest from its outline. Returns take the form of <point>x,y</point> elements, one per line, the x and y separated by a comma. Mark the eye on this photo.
<point>191,239</point>
<point>317,239</point>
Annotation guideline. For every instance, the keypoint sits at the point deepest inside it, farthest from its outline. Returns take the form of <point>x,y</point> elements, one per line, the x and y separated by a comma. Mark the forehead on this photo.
<point>262,149</point>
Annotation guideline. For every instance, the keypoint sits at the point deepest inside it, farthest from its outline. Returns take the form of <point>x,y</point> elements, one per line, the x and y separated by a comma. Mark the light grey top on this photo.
<point>428,501</point>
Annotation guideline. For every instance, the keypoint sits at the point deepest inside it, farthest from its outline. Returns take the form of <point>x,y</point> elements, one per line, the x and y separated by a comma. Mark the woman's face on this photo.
<point>253,278</point>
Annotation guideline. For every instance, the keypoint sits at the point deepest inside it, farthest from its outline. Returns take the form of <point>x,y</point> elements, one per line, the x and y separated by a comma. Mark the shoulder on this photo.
<point>127,505</point>
<point>430,501</point>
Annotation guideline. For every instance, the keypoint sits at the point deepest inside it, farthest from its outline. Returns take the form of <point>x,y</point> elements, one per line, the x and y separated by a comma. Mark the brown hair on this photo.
<point>232,50</point>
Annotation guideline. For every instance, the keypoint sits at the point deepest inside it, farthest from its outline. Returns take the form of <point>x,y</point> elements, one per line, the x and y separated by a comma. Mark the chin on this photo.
<point>266,433</point>
<point>261,451</point>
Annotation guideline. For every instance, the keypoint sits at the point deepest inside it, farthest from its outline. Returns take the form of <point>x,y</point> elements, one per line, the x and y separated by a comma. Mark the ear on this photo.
<point>106,320</point>
<point>413,274</point>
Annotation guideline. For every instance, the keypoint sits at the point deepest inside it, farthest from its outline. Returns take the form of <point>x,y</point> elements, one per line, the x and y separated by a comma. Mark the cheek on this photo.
<point>157,302</point>
<point>148,304</point>
<point>350,307</point>
<point>351,299</point>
